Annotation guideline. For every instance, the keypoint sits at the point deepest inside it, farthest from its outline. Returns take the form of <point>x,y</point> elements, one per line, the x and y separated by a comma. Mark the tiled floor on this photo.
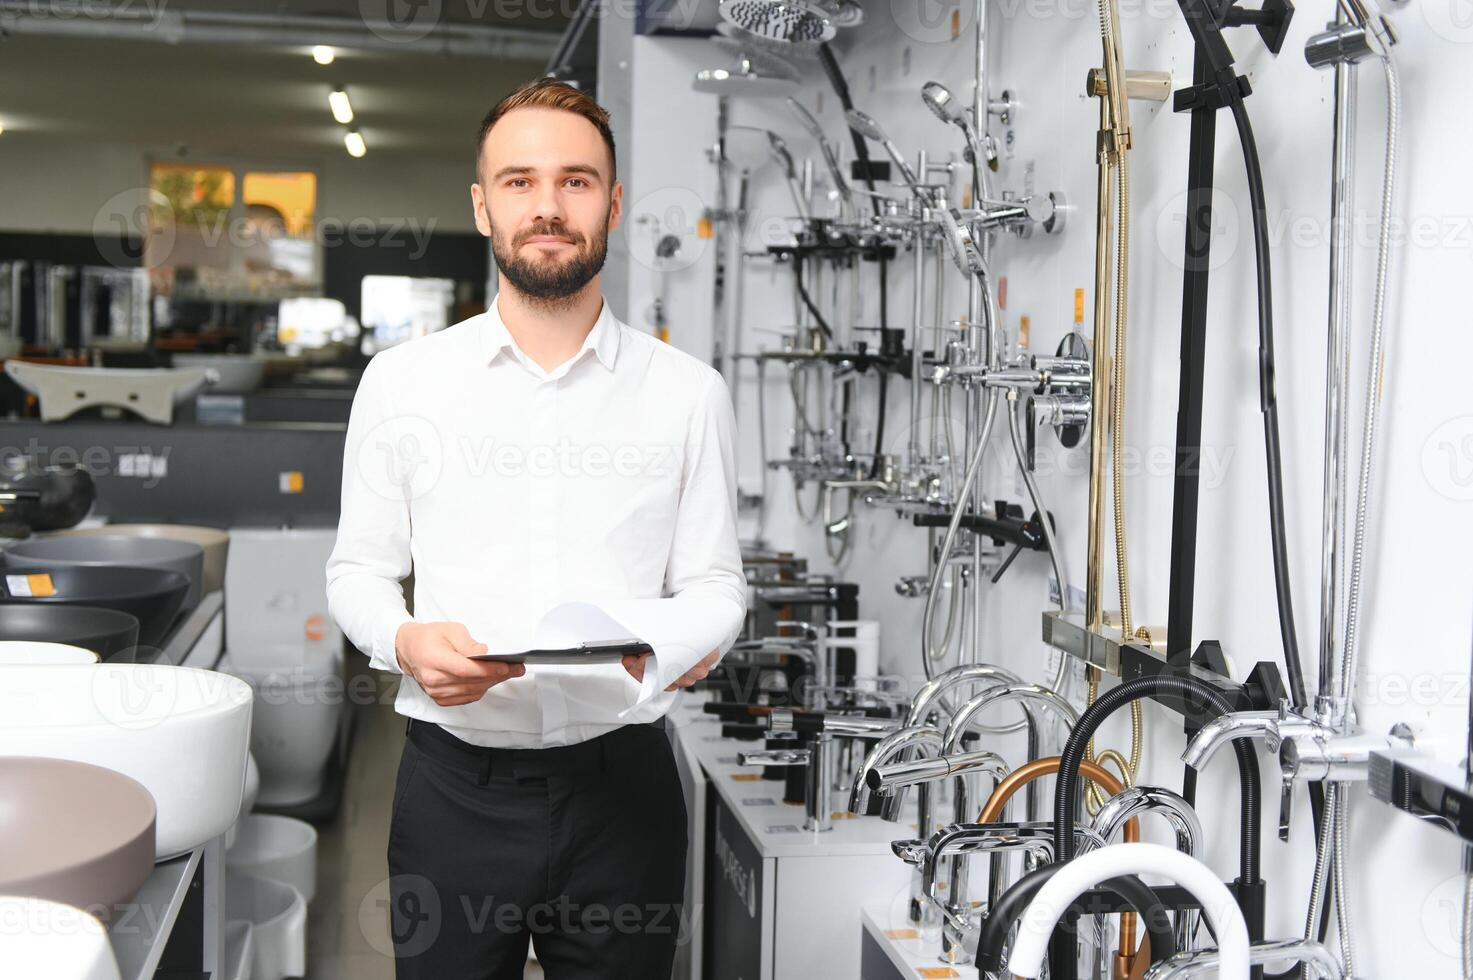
<point>347,931</point>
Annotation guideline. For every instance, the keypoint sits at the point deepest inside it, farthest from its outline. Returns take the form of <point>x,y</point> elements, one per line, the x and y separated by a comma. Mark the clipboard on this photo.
<point>601,652</point>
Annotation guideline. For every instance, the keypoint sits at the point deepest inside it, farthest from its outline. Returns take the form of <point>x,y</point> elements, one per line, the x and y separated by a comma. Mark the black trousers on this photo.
<point>579,849</point>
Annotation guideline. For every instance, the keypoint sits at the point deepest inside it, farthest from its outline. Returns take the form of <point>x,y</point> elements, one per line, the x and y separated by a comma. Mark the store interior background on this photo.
<point>85,116</point>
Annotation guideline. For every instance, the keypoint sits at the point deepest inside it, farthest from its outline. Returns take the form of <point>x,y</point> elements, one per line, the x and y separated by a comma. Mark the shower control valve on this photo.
<point>1318,753</point>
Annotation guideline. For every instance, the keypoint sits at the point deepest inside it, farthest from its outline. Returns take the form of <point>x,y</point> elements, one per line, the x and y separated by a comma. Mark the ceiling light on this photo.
<point>353,140</point>
<point>342,111</point>
<point>323,54</point>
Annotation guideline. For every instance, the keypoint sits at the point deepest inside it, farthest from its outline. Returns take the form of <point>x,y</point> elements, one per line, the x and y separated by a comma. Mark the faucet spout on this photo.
<point>1226,728</point>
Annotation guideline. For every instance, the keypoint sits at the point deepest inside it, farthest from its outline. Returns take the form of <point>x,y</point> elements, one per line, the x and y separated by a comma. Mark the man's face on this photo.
<point>546,201</point>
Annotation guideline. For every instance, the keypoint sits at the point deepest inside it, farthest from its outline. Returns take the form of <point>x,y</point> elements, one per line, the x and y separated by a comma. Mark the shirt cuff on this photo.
<point>383,655</point>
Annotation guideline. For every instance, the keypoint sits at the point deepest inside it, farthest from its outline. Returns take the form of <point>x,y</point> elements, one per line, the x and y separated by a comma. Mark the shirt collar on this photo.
<point>603,339</point>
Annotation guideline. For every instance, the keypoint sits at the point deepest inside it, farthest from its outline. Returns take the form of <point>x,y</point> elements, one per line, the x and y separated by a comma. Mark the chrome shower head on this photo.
<point>780,20</point>
<point>948,108</point>
<point>805,118</point>
<point>864,124</point>
<point>754,73</point>
<point>939,100</point>
<point>743,79</point>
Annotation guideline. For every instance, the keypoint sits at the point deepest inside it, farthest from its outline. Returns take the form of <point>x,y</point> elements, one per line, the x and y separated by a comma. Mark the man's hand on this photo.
<point>635,666</point>
<point>437,656</point>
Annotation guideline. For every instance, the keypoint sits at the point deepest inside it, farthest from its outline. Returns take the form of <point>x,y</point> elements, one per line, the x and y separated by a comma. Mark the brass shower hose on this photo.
<point>1113,156</point>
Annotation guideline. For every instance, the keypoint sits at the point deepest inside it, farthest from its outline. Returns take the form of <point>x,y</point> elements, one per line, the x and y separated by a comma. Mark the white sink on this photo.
<point>55,941</point>
<point>183,733</point>
<point>36,653</point>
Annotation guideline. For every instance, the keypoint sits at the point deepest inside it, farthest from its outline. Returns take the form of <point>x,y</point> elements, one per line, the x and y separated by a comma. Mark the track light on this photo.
<point>342,109</point>
<point>323,54</point>
<point>353,140</point>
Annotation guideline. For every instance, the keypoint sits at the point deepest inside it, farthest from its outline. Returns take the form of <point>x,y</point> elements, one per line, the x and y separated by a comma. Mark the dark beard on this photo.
<point>549,283</point>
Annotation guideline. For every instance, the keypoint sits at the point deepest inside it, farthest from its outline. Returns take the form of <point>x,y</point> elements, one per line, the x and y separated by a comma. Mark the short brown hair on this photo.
<point>549,93</point>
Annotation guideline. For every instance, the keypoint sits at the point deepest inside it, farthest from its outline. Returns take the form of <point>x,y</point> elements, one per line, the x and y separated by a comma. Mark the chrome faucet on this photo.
<point>1319,962</point>
<point>1027,695</point>
<point>908,740</point>
<point>1035,839</point>
<point>1310,749</point>
<point>1112,817</point>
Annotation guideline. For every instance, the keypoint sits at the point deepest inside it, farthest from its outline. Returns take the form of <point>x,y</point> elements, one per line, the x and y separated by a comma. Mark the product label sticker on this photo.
<point>37,586</point>
<point>902,934</point>
<point>746,777</point>
<point>936,972</point>
<point>759,801</point>
<point>783,828</point>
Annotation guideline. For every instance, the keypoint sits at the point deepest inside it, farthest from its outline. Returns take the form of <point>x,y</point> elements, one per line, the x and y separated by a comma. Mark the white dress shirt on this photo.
<point>509,489</point>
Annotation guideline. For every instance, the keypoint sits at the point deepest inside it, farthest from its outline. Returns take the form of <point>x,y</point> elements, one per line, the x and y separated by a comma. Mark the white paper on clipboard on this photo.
<point>681,630</point>
<point>570,634</point>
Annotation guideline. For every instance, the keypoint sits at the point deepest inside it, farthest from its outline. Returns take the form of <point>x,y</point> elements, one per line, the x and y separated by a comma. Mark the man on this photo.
<point>540,453</point>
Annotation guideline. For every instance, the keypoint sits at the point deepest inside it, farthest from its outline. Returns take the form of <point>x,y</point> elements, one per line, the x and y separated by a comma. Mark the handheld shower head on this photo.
<point>805,118</point>
<point>939,100</point>
<point>948,108</point>
<point>865,125</point>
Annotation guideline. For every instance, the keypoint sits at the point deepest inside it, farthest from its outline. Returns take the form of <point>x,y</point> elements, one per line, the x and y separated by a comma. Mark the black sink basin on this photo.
<point>152,595</point>
<point>110,634</point>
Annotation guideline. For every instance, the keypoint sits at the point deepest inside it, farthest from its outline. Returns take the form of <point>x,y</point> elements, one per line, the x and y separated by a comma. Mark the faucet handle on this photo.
<point>774,757</point>
<point>1286,804</point>
<point>911,851</point>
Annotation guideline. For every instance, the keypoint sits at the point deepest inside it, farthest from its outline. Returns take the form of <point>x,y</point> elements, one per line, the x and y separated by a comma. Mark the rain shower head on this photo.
<point>754,72</point>
<point>743,79</point>
<point>780,20</point>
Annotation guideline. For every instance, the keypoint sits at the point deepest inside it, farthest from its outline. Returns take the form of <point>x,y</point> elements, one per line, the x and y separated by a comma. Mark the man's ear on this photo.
<point>478,209</point>
<point>616,205</point>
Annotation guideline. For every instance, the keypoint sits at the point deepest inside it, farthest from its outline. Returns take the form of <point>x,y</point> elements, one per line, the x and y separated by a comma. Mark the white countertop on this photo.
<point>774,826</point>
<point>900,940</point>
